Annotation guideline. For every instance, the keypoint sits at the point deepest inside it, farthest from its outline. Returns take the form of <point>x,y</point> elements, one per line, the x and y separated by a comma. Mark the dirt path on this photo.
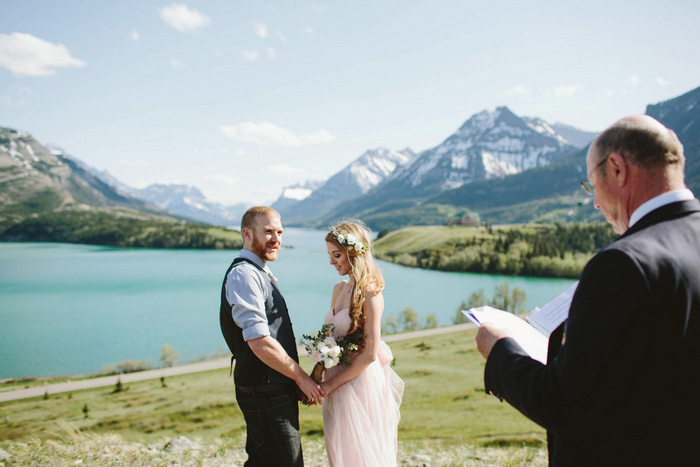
<point>213,364</point>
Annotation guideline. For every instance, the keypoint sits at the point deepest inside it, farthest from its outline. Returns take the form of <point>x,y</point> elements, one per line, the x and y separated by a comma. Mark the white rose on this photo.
<point>324,350</point>
<point>341,238</point>
<point>328,364</point>
<point>314,334</point>
<point>330,341</point>
<point>351,239</point>
<point>359,246</point>
<point>334,352</point>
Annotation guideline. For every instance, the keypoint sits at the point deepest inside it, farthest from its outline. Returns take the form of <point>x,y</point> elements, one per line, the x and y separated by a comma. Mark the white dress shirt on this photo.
<point>658,201</point>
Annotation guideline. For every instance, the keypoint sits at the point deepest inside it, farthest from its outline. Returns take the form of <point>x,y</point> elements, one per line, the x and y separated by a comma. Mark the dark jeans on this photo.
<point>272,421</point>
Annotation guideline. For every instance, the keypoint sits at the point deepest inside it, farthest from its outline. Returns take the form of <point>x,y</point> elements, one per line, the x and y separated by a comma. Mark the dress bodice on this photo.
<point>341,321</point>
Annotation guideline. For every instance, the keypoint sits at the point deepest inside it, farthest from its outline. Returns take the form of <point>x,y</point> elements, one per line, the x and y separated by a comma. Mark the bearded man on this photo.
<point>257,328</point>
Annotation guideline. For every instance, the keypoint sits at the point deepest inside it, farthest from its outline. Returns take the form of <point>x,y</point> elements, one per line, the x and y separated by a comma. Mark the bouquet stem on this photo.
<point>317,372</point>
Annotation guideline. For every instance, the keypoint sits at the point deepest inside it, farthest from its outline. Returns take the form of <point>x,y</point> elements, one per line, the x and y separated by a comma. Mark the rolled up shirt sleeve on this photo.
<point>245,294</point>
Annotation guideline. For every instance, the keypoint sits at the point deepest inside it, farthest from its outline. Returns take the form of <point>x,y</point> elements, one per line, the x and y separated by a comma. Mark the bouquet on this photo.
<point>329,351</point>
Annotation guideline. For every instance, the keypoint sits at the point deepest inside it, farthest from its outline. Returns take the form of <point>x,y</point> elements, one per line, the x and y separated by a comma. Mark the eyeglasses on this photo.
<point>586,185</point>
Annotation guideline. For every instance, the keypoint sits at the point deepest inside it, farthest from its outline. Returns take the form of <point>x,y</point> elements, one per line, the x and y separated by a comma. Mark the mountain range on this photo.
<point>509,169</point>
<point>35,180</point>
<point>363,174</point>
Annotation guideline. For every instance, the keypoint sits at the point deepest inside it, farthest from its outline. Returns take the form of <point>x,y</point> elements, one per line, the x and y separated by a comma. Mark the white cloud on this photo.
<point>567,90</point>
<point>633,80</point>
<point>250,55</point>
<point>134,35</point>
<point>27,55</point>
<point>261,30</point>
<point>285,170</point>
<point>307,30</point>
<point>517,90</point>
<point>177,64</point>
<point>281,36</point>
<point>272,135</point>
<point>662,82</point>
<point>319,7</point>
<point>271,53</point>
<point>609,93</point>
<point>183,18</point>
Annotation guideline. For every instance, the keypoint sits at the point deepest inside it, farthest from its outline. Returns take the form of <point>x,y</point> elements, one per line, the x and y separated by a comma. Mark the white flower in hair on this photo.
<point>349,241</point>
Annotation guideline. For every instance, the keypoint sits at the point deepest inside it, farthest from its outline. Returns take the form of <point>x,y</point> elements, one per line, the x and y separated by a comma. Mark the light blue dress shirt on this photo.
<point>247,291</point>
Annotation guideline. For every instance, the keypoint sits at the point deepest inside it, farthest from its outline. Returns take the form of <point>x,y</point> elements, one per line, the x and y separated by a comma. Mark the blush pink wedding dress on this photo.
<point>361,417</point>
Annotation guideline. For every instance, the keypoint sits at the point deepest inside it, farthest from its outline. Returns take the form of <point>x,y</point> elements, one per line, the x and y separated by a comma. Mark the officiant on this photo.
<point>621,385</point>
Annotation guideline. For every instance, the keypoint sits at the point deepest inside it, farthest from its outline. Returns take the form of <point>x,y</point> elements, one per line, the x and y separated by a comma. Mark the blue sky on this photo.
<point>241,98</point>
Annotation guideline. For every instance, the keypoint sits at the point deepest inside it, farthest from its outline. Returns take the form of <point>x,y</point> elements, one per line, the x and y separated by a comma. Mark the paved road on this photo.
<point>213,364</point>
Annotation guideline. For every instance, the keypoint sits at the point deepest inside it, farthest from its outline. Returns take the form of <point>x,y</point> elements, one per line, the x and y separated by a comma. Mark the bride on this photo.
<point>361,410</point>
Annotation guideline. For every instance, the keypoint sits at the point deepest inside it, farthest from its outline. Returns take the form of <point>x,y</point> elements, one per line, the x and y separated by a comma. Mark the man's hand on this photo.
<point>273,355</point>
<point>487,337</point>
<point>312,391</point>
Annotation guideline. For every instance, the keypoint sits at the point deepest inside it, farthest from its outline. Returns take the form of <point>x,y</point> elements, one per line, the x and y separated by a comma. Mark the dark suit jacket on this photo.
<point>624,386</point>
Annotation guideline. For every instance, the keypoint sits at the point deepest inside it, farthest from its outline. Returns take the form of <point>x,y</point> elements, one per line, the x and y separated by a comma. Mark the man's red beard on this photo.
<point>260,250</point>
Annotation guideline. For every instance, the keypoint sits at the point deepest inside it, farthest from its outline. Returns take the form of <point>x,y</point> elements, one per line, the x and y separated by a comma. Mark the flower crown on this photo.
<point>349,240</point>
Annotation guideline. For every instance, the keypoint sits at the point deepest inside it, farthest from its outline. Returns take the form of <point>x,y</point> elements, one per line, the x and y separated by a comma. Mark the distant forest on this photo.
<point>542,250</point>
<point>94,227</point>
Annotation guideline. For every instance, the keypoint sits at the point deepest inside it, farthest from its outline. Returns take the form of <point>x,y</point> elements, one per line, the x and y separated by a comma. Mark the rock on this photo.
<point>4,455</point>
<point>181,444</point>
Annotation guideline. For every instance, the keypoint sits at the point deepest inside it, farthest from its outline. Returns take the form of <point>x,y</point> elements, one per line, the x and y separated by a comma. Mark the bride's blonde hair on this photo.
<point>353,237</point>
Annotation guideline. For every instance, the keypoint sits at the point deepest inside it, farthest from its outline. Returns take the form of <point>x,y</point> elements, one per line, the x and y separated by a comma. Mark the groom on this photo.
<point>256,325</point>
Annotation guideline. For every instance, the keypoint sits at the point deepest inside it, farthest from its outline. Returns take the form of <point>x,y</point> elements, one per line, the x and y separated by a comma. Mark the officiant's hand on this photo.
<point>487,337</point>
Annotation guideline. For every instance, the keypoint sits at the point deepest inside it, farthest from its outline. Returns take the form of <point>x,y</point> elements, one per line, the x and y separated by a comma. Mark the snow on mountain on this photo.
<point>189,201</point>
<point>291,195</point>
<point>363,174</point>
<point>575,136</point>
<point>492,143</point>
<point>37,179</point>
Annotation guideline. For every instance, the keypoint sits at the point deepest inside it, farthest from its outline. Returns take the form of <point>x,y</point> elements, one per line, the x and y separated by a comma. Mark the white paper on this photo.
<point>550,316</point>
<point>529,338</point>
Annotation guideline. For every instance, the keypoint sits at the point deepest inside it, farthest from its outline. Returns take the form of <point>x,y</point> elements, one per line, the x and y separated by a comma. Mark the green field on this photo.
<point>444,409</point>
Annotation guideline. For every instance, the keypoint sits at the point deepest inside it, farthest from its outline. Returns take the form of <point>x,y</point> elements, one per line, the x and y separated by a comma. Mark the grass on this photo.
<point>445,415</point>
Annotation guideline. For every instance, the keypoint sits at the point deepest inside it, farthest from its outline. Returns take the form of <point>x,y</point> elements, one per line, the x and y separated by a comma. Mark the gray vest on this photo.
<point>250,370</point>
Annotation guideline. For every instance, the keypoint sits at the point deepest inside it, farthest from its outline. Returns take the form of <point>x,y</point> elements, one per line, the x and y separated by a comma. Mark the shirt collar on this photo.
<point>247,254</point>
<point>658,201</point>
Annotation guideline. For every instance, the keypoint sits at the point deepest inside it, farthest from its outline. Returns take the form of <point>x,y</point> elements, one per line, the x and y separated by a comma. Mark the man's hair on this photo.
<point>646,147</point>
<point>252,214</point>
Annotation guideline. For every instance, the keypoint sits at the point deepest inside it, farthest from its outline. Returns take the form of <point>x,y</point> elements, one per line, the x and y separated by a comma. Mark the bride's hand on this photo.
<point>326,387</point>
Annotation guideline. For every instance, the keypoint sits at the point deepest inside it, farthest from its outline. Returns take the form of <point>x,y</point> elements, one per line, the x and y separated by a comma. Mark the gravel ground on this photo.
<point>112,450</point>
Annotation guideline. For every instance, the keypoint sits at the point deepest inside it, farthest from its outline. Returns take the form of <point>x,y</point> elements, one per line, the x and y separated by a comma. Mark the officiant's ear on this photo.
<point>245,232</point>
<point>618,166</point>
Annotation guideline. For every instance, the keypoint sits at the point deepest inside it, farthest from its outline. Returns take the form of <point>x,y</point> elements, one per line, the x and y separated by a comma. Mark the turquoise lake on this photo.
<point>71,309</point>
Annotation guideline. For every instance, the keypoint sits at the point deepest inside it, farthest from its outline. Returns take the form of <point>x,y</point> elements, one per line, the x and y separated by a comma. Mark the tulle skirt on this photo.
<point>361,417</point>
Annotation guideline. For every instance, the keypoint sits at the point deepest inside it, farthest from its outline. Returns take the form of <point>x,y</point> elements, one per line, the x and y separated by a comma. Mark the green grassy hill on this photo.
<point>119,227</point>
<point>444,408</point>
